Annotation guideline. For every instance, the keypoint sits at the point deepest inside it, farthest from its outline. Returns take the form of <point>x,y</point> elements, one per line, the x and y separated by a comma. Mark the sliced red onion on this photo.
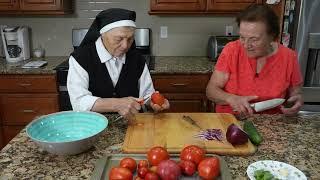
<point>210,134</point>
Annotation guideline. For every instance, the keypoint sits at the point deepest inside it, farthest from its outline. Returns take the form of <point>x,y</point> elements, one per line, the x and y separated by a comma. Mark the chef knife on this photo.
<point>268,104</point>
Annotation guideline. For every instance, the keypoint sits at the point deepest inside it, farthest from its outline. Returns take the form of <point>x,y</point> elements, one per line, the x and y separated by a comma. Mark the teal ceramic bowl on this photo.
<point>67,132</point>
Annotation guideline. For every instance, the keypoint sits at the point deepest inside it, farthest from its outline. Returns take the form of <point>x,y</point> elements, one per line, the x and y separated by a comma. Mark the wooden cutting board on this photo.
<point>172,131</point>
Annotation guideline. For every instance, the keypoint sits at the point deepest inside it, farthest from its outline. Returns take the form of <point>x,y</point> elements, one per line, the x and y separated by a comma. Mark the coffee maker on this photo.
<point>15,43</point>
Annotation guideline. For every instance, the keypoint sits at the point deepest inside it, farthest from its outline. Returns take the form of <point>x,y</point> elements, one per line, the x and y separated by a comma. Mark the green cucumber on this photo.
<point>252,132</point>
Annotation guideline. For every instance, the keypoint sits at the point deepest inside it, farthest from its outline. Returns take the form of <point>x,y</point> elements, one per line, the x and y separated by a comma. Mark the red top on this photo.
<point>280,72</point>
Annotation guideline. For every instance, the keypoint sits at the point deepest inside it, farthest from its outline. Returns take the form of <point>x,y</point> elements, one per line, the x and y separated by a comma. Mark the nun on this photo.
<point>106,73</point>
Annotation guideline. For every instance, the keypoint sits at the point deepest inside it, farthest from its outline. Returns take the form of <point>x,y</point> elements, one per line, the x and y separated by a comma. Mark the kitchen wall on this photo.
<point>187,35</point>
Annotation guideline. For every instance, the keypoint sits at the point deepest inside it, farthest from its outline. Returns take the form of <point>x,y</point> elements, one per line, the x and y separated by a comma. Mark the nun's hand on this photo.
<point>127,107</point>
<point>157,108</point>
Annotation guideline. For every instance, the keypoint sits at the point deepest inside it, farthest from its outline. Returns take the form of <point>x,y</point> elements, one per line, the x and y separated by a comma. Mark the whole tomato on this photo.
<point>129,163</point>
<point>157,98</point>
<point>169,170</point>
<point>142,172</point>
<point>157,154</point>
<point>187,167</point>
<point>209,168</point>
<point>143,163</point>
<point>151,176</point>
<point>192,153</point>
<point>120,173</point>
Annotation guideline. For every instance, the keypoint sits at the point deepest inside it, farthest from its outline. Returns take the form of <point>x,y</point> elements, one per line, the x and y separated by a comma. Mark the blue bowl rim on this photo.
<point>64,112</point>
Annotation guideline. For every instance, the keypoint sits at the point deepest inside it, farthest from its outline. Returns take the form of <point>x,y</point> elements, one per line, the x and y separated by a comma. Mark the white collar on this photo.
<point>104,55</point>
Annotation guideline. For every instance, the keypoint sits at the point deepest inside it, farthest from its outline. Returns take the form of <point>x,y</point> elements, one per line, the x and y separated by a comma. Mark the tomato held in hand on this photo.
<point>151,176</point>
<point>120,173</point>
<point>143,163</point>
<point>192,153</point>
<point>157,154</point>
<point>157,98</point>
<point>209,168</point>
<point>187,167</point>
<point>128,163</point>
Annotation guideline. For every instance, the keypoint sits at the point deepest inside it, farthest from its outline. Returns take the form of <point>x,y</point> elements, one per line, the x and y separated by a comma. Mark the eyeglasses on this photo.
<point>253,41</point>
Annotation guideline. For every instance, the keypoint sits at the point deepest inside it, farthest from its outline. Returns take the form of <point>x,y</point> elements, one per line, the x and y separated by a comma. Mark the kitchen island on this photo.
<point>293,140</point>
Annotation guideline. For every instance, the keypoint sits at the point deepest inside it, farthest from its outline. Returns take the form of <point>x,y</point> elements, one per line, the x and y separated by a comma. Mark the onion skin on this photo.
<point>236,136</point>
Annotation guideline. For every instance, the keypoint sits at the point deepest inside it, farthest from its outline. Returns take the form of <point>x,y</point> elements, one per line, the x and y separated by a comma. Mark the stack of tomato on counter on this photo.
<point>159,166</point>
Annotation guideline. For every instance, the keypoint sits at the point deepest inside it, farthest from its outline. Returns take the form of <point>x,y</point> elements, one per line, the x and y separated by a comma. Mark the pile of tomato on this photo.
<point>159,166</point>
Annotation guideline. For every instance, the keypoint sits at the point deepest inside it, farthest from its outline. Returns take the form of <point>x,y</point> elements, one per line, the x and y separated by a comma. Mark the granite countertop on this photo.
<point>15,68</point>
<point>293,140</point>
<point>165,64</point>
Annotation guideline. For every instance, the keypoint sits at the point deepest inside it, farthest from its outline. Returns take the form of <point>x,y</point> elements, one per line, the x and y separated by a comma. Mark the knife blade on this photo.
<point>268,104</point>
<point>143,101</point>
<point>191,121</point>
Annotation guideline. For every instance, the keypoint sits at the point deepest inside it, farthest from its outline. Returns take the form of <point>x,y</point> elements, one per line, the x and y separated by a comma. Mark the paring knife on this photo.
<point>146,98</point>
<point>268,104</point>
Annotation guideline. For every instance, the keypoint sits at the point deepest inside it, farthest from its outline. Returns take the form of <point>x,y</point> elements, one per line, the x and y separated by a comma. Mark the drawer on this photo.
<point>183,84</point>
<point>28,83</point>
<point>187,102</point>
<point>20,109</point>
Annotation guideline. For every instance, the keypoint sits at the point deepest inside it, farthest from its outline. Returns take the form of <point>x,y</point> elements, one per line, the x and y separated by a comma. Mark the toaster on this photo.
<point>216,44</point>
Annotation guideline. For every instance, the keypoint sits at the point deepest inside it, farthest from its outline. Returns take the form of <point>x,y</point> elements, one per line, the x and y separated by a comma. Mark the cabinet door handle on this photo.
<point>28,111</point>
<point>178,84</point>
<point>25,84</point>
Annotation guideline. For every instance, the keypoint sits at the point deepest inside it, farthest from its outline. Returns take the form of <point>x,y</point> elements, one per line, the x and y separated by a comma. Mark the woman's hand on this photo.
<point>157,108</point>
<point>127,107</point>
<point>297,102</point>
<point>241,104</point>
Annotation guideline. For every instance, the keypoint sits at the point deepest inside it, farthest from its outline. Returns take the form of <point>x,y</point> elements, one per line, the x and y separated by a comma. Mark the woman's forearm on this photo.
<point>215,86</point>
<point>218,95</point>
<point>105,105</point>
<point>296,90</point>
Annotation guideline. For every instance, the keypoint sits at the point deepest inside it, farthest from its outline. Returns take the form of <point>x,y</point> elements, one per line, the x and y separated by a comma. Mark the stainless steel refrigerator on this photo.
<point>306,41</point>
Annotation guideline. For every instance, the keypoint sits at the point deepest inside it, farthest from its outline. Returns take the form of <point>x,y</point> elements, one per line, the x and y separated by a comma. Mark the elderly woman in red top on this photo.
<point>256,67</point>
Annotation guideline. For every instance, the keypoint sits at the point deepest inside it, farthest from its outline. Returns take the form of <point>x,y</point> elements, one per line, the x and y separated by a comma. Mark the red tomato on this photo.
<point>120,173</point>
<point>151,176</point>
<point>187,167</point>
<point>156,155</point>
<point>142,172</point>
<point>143,163</point>
<point>157,98</point>
<point>193,153</point>
<point>138,178</point>
<point>209,168</point>
<point>168,170</point>
<point>129,163</point>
